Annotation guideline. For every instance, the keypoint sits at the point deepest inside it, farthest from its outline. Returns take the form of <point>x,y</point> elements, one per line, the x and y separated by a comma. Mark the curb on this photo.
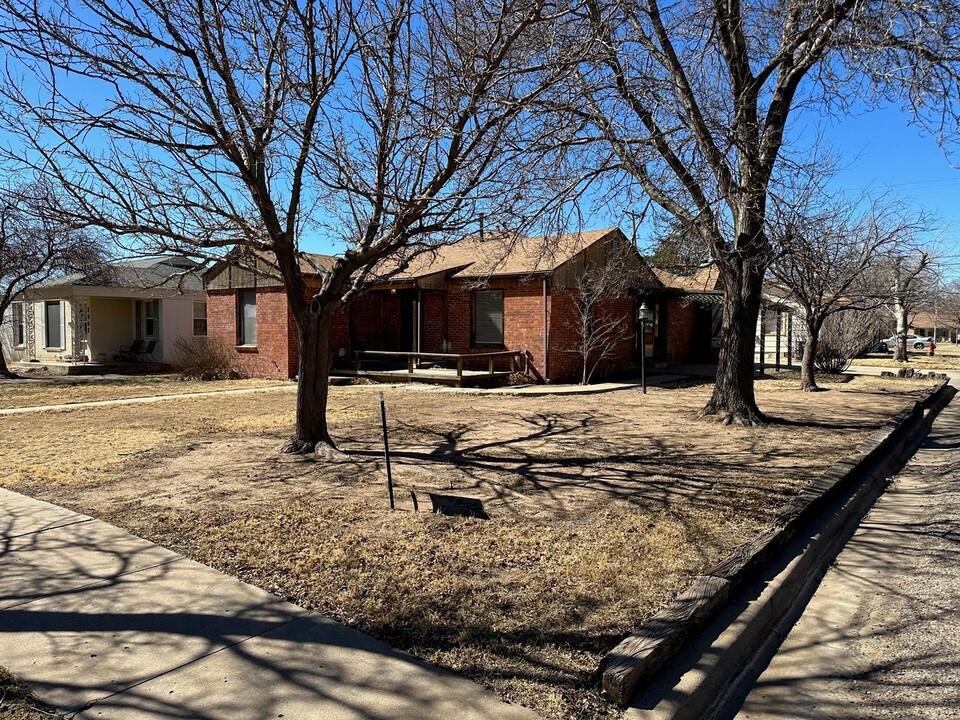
<point>838,497</point>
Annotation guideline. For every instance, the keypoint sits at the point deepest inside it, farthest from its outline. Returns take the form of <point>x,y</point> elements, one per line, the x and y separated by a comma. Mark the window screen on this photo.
<point>53,318</point>
<point>199,318</point>
<point>248,317</point>
<point>150,315</point>
<point>488,317</point>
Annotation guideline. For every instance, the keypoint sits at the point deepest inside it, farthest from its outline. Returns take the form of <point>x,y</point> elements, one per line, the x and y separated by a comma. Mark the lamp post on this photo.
<point>644,315</point>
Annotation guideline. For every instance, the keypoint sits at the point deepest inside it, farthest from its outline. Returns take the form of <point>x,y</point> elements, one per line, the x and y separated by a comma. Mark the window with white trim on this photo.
<point>53,325</point>
<point>488,317</point>
<point>19,311</point>
<point>199,319</point>
<point>247,320</point>
<point>147,319</point>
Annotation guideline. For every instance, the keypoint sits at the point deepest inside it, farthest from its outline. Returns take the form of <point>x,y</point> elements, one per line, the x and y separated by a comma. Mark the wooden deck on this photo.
<point>438,368</point>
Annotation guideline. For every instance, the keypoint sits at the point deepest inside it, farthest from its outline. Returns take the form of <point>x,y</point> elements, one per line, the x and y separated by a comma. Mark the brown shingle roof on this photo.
<point>496,255</point>
<point>926,319</point>
<point>705,279</point>
<point>310,263</point>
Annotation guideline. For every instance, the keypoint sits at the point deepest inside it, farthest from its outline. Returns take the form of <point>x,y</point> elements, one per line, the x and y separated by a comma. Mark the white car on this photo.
<point>917,342</point>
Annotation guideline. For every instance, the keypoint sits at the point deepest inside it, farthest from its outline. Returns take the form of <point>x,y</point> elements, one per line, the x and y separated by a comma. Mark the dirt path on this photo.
<point>881,637</point>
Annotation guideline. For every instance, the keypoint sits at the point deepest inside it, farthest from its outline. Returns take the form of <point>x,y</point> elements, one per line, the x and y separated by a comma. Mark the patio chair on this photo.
<point>132,353</point>
<point>147,354</point>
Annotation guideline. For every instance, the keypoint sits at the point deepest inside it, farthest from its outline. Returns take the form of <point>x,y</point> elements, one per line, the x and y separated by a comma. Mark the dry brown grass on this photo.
<point>37,392</point>
<point>18,703</point>
<point>602,507</point>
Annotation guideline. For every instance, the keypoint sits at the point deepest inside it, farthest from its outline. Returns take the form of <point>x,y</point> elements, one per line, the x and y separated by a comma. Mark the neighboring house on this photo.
<point>88,317</point>
<point>469,297</point>
<point>941,325</point>
<point>781,326</point>
<point>694,311</point>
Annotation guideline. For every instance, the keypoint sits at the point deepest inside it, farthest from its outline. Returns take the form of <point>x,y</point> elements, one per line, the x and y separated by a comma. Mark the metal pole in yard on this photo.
<point>386,447</point>
<point>643,356</point>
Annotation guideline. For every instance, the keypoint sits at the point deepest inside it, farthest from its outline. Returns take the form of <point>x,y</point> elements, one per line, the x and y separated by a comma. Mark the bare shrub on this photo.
<point>204,358</point>
<point>845,336</point>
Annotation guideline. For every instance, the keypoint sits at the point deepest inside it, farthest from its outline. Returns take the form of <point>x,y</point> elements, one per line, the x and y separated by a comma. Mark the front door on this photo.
<point>408,321</point>
<point>706,334</point>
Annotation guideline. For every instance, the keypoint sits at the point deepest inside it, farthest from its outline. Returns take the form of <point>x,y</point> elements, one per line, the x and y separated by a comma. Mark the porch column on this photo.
<point>790,340</point>
<point>763,337</point>
<point>777,359</point>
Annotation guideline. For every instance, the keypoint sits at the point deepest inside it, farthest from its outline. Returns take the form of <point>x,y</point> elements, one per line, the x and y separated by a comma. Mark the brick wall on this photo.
<point>434,319</point>
<point>372,322</point>
<point>272,357</point>
<point>680,329</point>
<point>566,362</point>
<point>522,319</point>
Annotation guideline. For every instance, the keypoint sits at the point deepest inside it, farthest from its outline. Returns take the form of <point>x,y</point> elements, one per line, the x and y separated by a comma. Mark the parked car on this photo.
<point>917,342</point>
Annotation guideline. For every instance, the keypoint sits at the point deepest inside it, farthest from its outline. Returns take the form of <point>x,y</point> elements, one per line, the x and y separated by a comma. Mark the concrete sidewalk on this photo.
<point>96,620</point>
<point>144,400</point>
<point>881,636</point>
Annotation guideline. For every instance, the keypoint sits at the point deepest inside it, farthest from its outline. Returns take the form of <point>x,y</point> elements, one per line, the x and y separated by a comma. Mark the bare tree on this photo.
<point>386,128</point>
<point>36,246</point>
<point>600,331</point>
<point>690,101</point>
<point>908,279</point>
<point>825,251</point>
<point>950,307</point>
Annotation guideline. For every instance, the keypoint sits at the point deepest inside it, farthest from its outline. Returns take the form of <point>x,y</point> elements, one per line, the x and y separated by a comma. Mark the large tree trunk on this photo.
<point>313,384</point>
<point>733,398</point>
<point>4,370</point>
<point>808,367</point>
<point>900,354</point>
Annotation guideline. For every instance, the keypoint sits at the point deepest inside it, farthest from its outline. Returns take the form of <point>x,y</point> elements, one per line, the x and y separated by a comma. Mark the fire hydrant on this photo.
<point>932,348</point>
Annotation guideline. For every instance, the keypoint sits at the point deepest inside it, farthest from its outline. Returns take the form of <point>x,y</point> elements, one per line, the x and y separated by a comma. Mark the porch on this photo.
<point>65,331</point>
<point>438,368</point>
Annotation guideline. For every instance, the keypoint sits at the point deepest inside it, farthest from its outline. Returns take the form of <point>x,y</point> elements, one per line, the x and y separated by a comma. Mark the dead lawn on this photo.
<point>602,507</point>
<point>18,703</point>
<point>43,391</point>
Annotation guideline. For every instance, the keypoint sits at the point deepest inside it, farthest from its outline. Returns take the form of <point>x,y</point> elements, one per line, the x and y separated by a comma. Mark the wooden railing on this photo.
<point>413,358</point>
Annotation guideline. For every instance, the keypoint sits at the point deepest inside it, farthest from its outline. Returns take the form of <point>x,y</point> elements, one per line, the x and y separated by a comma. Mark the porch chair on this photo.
<point>147,354</point>
<point>132,353</point>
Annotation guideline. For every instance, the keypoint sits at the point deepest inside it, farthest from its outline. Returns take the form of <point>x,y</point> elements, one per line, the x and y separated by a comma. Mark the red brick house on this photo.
<point>468,298</point>
<point>694,303</point>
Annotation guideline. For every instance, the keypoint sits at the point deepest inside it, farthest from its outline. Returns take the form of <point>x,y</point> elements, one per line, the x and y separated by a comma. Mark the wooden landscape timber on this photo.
<point>637,659</point>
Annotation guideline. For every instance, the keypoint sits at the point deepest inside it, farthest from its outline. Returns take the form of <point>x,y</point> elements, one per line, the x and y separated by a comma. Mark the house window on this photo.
<point>199,318</point>
<point>146,319</point>
<point>53,324</point>
<point>488,317</point>
<point>19,325</point>
<point>248,318</point>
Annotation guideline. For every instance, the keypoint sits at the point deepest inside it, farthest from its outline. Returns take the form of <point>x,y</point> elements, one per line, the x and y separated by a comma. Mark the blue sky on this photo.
<point>879,151</point>
<point>883,153</point>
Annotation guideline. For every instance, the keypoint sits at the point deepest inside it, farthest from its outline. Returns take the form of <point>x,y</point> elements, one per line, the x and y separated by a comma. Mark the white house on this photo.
<point>93,317</point>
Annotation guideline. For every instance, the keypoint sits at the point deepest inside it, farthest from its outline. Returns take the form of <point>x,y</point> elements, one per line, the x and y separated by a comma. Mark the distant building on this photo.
<point>91,317</point>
